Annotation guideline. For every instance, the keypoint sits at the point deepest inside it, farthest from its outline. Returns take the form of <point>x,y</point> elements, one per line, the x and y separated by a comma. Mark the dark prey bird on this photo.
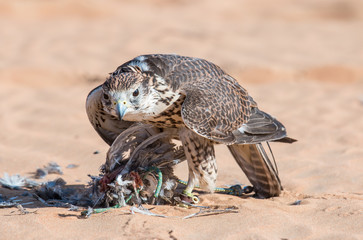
<point>199,101</point>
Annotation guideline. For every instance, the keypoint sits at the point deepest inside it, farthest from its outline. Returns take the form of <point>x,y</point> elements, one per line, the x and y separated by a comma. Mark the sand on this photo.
<point>302,61</point>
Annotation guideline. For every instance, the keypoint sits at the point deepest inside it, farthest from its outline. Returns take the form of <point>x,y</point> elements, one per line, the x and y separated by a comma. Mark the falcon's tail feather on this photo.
<point>260,171</point>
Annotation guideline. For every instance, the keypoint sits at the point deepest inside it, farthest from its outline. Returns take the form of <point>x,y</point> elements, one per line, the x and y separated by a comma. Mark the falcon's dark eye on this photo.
<point>105,96</point>
<point>135,93</point>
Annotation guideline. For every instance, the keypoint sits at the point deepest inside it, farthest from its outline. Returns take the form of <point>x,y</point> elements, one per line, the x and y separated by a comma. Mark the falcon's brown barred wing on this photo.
<point>214,109</point>
<point>223,112</point>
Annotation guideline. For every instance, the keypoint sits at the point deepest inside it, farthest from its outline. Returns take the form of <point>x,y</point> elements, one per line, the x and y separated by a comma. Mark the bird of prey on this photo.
<point>202,103</point>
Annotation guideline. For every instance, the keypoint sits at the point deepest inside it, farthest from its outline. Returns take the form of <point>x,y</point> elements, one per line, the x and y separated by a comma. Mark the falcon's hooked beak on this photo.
<point>121,107</point>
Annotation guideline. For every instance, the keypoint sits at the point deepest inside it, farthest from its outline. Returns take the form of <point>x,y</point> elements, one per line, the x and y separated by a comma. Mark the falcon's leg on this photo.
<point>202,165</point>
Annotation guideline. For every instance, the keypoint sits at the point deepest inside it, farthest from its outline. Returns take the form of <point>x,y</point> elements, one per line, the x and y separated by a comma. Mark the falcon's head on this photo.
<point>130,94</point>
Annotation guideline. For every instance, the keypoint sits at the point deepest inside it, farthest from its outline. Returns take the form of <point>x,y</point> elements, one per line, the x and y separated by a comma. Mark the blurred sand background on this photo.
<point>302,61</point>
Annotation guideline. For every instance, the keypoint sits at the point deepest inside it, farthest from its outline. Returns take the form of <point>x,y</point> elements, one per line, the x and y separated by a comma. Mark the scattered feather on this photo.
<point>87,213</point>
<point>12,182</point>
<point>53,167</point>
<point>72,166</point>
<point>297,202</point>
<point>145,212</point>
<point>40,173</point>
<point>11,202</point>
<point>57,193</point>
<point>31,183</point>
<point>7,204</point>
<point>21,209</point>
<point>208,211</point>
<point>73,208</point>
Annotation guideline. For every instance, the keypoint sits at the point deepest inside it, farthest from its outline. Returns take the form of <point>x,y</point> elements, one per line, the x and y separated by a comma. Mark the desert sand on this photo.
<point>302,61</point>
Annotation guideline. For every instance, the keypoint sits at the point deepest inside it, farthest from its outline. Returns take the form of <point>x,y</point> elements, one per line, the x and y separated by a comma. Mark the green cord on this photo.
<point>160,180</point>
<point>100,210</point>
<point>128,199</point>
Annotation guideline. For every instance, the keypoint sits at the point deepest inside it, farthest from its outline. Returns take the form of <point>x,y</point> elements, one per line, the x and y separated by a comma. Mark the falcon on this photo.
<point>202,104</point>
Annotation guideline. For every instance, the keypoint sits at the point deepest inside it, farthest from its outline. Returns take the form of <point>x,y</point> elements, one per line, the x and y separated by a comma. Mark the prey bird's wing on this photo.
<point>107,126</point>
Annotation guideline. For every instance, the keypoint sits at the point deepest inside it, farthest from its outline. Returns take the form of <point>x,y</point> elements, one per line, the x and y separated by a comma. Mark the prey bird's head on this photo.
<point>128,94</point>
